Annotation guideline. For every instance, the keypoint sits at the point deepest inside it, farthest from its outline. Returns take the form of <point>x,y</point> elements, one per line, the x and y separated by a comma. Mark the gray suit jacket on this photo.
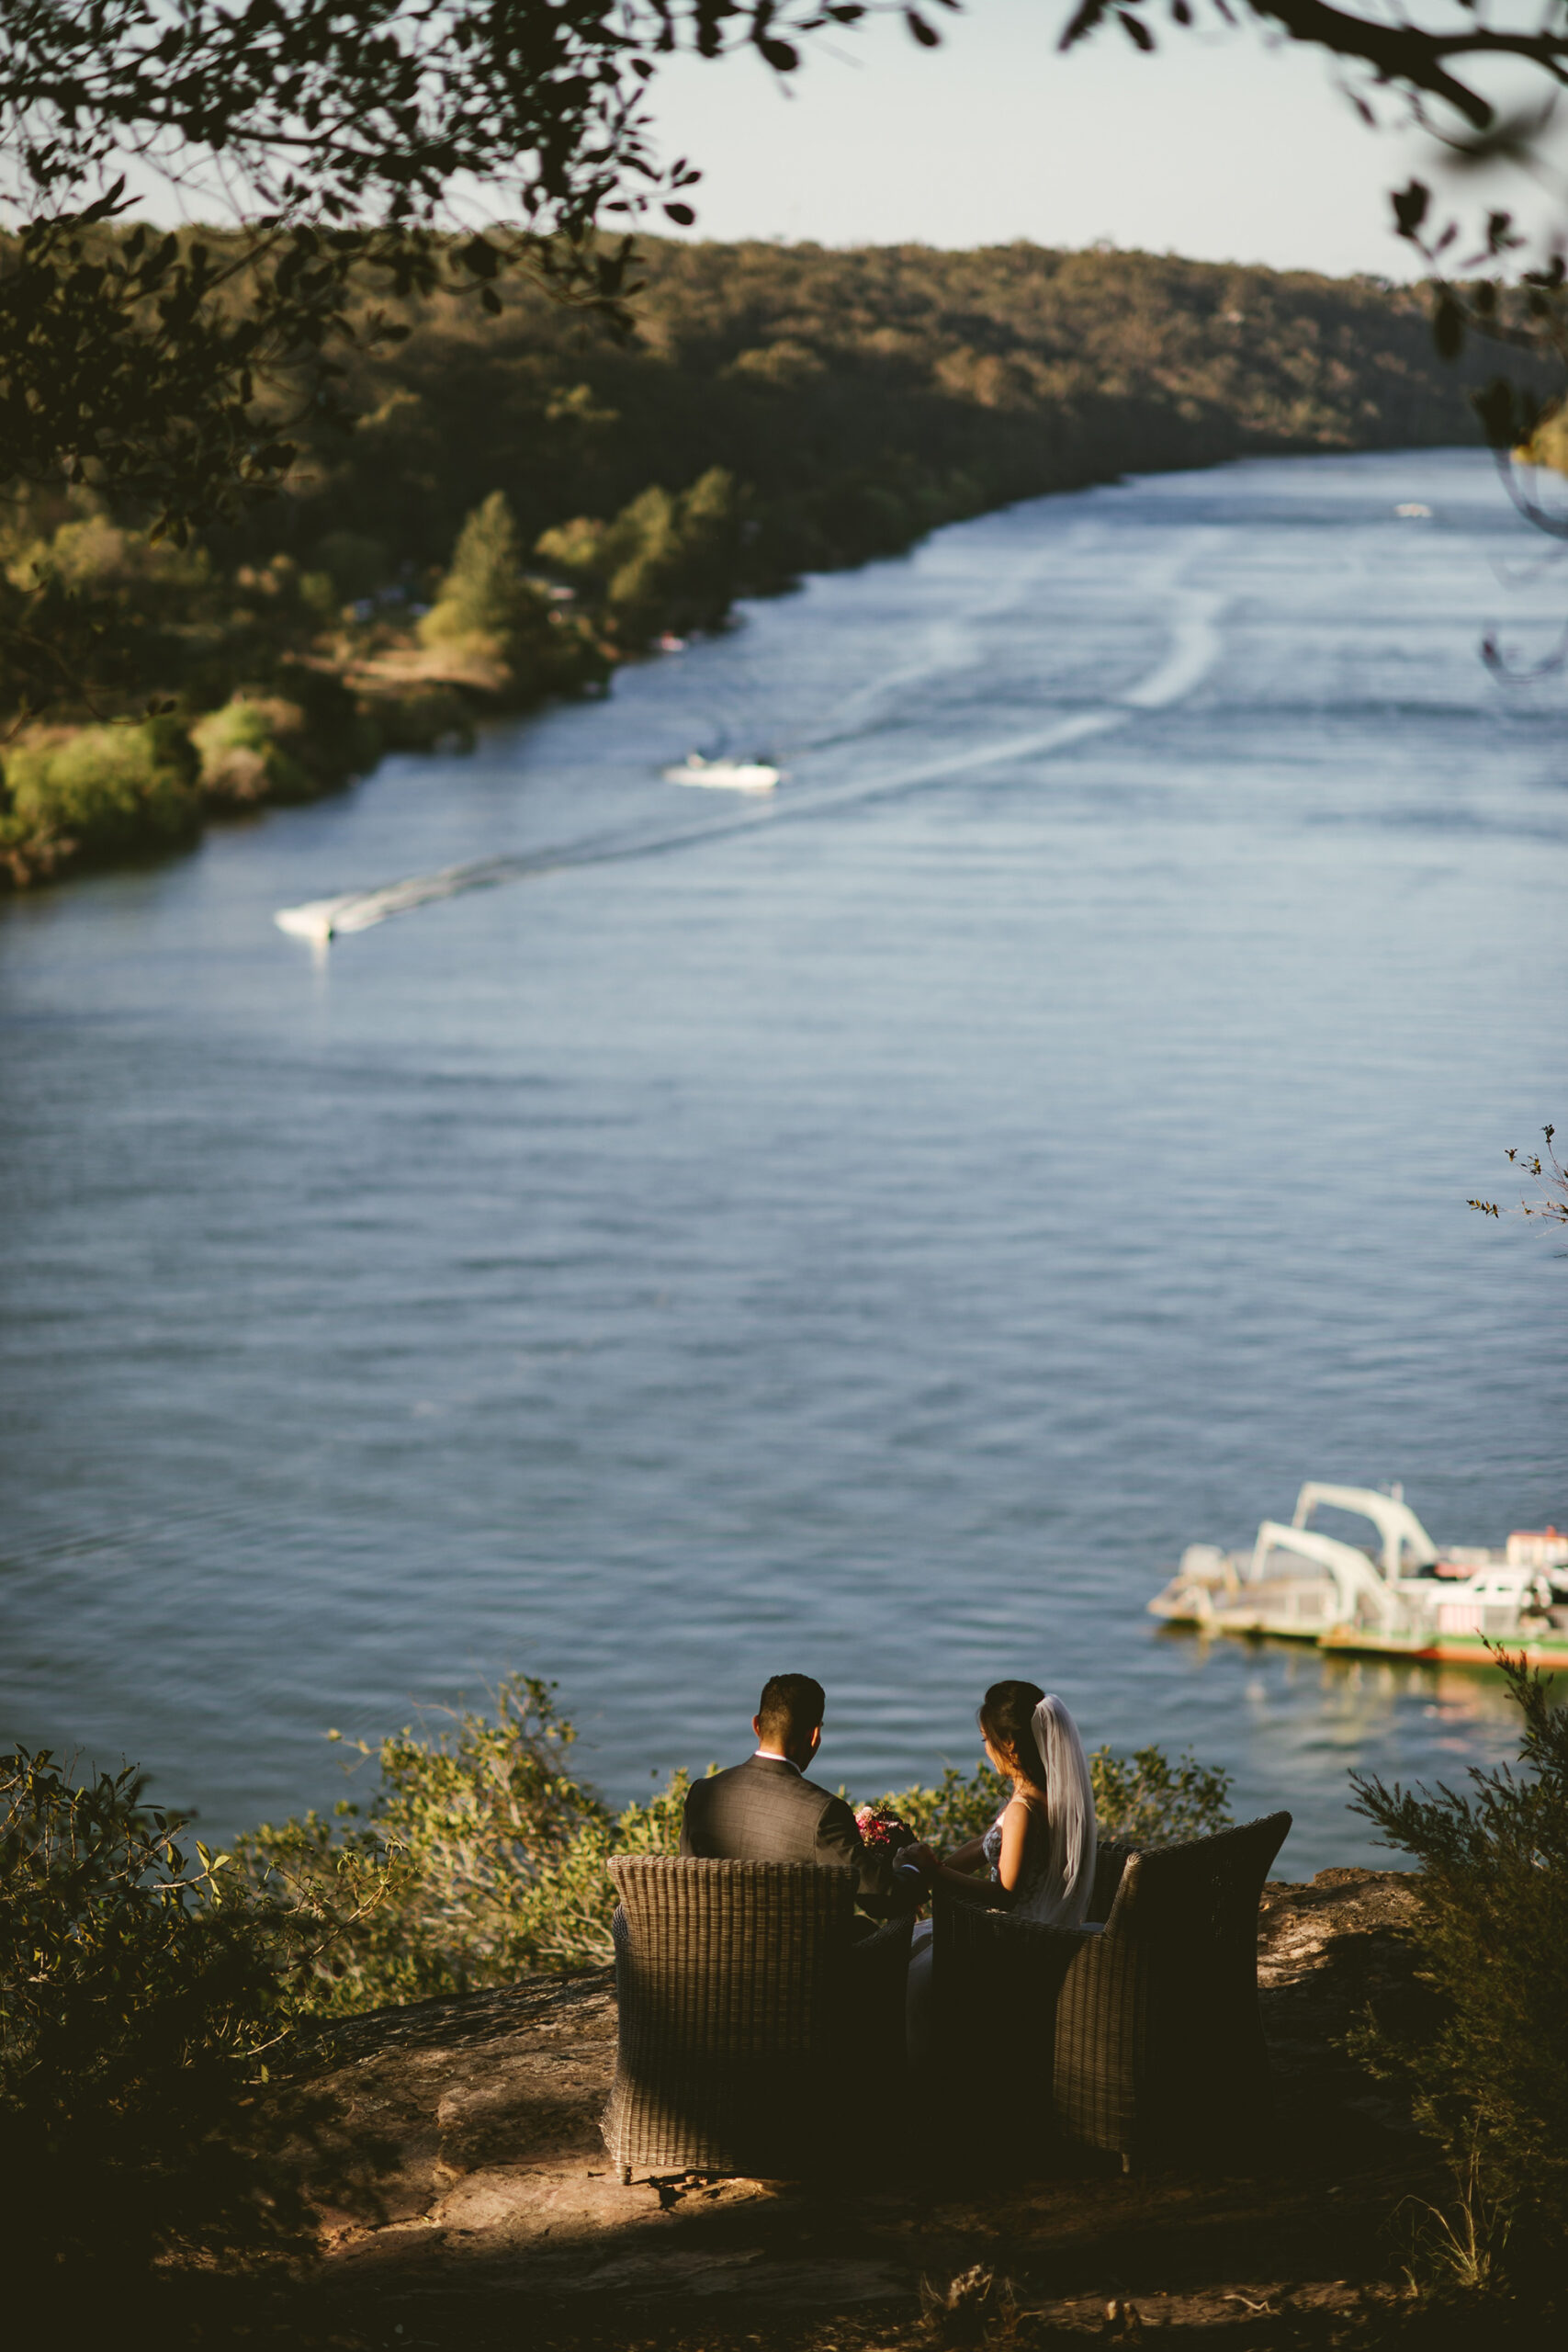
<point>766,1811</point>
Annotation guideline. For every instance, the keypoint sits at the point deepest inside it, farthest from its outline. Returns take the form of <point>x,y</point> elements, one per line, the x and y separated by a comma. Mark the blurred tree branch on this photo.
<point>1481,285</point>
<point>348,149</point>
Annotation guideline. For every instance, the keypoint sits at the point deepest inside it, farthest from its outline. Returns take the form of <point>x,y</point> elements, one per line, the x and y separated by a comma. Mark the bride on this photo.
<point>1039,1852</point>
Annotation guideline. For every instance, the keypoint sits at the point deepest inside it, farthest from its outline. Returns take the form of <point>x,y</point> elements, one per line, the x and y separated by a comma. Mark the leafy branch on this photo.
<point>1551,1184</point>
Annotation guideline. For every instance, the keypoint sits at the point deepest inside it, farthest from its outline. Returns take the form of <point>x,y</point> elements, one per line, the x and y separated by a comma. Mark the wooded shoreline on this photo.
<point>778,409</point>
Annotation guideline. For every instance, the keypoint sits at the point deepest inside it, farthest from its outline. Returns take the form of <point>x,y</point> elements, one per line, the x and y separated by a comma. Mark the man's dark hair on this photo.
<point>791,1707</point>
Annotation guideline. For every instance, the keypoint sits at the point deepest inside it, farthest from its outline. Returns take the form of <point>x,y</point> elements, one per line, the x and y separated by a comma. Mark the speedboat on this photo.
<point>1400,1595</point>
<point>319,920</point>
<point>724,775</point>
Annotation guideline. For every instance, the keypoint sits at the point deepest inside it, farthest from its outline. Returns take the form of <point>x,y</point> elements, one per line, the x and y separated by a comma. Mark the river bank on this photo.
<point>83,796</point>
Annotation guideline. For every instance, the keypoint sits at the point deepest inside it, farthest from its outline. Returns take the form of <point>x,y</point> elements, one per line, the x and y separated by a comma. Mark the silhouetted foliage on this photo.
<point>1489,2077</point>
<point>1435,74</point>
<point>1401,54</point>
<point>136,1981</point>
<point>335,139</point>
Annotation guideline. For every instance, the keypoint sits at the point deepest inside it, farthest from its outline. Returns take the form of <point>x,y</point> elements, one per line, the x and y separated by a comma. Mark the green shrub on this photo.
<point>487,605</point>
<point>469,1823</point>
<point>665,562</point>
<point>27,853</point>
<point>246,752</point>
<point>98,792</point>
<point>289,745</point>
<point>137,1984</point>
<point>1143,1800</point>
<point>1488,2067</point>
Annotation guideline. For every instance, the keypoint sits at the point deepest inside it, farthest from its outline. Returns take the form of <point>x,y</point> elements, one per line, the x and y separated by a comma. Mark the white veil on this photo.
<point>1061,1897</point>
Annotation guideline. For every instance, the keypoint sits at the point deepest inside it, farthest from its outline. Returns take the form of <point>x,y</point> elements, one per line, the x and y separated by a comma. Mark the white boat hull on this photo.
<point>724,775</point>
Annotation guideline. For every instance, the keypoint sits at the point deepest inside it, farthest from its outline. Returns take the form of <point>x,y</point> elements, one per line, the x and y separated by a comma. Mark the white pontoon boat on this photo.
<point>1399,1597</point>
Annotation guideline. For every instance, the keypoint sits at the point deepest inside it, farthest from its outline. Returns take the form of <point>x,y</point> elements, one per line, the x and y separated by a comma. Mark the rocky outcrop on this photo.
<point>493,2188</point>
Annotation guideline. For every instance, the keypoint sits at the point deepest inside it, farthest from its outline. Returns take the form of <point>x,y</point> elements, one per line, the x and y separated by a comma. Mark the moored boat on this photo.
<point>1401,1596</point>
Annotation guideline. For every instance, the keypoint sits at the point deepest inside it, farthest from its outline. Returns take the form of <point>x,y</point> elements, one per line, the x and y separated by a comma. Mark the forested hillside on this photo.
<point>528,500</point>
<point>861,397</point>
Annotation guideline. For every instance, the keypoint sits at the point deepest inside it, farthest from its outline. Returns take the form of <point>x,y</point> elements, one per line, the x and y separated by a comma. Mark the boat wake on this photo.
<point>1196,645</point>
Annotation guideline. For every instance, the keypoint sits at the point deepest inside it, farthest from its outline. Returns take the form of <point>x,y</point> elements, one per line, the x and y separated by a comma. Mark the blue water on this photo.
<point>874,1237</point>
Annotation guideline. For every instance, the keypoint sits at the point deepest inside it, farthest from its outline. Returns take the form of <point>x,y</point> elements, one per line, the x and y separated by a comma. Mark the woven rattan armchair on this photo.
<point>756,2034</point>
<point>1141,2036</point>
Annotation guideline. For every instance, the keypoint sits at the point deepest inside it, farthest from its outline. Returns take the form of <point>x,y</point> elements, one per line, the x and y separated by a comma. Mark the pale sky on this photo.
<point>1221,147</point>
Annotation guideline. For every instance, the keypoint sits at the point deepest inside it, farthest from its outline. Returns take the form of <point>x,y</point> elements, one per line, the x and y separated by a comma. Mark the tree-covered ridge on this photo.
<point>861,397</point>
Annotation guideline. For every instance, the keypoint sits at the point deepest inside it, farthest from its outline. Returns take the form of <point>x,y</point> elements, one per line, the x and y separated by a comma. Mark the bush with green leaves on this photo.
<point>247,751</point>
<point>667,561</point>
<point>140,1983</point>
<point>469,1823</point>
<point>1143,1800</point>
<point>1487,2066</point>
<point>487,605</point>
<point>98,792</point>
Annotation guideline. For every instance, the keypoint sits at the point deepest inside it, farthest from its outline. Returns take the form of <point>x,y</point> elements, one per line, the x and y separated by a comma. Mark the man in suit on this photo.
<point>767,1811</point>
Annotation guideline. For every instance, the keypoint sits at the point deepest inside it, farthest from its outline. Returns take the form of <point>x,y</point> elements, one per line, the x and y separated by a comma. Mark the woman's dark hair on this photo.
<point>1007,1718</point>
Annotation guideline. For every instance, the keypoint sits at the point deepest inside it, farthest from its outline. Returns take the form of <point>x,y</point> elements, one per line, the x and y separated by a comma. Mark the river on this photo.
<point>870,1233</point>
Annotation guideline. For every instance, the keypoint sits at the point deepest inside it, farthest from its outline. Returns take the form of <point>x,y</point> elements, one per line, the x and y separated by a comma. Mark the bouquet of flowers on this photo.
<point>880,1828</point>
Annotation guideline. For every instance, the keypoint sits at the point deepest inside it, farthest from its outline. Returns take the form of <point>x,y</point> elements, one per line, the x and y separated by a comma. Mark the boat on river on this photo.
<point>1398,1597</point>
<point>724,775</point>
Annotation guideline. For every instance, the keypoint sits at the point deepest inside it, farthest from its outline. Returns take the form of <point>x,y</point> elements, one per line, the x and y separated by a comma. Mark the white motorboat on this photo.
<point>724,775</point>
<point>1400,1595</point>
<point>318,920</point>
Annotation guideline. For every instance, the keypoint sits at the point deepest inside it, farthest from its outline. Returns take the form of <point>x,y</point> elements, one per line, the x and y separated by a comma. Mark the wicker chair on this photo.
<point>1141,2036</point>
<point>756,2034</point>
